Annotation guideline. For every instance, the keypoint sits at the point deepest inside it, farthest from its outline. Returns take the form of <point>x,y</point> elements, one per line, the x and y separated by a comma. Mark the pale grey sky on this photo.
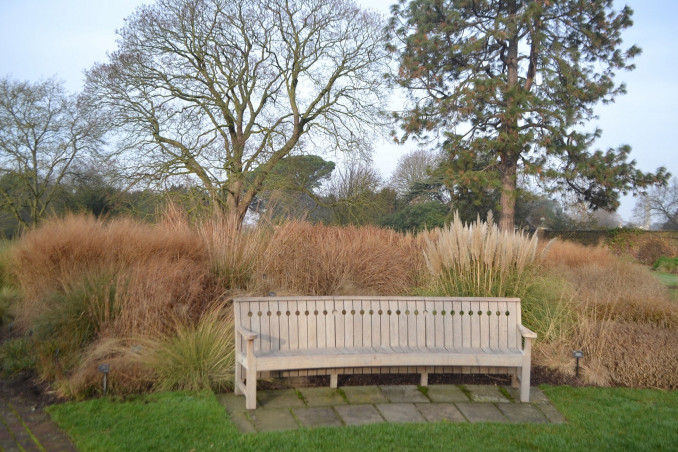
<point>41,38</point>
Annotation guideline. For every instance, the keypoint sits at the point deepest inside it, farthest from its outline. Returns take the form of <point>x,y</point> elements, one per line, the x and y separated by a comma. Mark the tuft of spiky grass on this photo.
<point>478,259</point>
<point>194,356</point>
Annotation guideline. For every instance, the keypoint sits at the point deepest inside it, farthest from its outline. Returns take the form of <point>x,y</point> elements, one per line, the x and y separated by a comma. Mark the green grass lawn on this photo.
<point>598,419</point>
<point>671,281</point>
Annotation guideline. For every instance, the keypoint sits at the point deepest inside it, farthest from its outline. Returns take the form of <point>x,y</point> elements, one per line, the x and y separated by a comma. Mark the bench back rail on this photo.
<point>403,323</point>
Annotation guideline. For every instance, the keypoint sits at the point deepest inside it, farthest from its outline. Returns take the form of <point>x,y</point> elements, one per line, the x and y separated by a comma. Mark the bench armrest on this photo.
<point>246,334</point>
<point>526,332</point>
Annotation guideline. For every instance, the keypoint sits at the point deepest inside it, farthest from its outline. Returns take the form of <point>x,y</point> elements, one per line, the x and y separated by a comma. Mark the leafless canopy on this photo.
<point>43,131</point>
<point>217,88</point>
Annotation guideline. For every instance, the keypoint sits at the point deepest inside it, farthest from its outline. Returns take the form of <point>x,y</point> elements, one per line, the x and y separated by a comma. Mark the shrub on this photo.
<point>16,355</point>
<point>548,309</point>
<point>480,260</point>
<point>128,375</point>
<point>84,279</point>
<point>666,264</point>
<point>562,253</point>
<point>652,249</point>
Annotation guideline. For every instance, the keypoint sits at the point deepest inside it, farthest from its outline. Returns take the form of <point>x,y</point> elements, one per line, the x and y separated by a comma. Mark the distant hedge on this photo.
<point>645,246</point>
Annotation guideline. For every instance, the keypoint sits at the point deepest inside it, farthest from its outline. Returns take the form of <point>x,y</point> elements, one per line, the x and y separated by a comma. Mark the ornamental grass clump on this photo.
<point>479,260</point>
<point>194,356</point>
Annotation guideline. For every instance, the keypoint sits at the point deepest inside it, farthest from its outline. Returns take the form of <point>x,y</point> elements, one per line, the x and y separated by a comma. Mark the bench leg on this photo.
<point>525,384</point>
<point>238,378</point>
<point>334,380</point>
<point>514,379</point>
<point>424,379</point>
<point>251,389</point>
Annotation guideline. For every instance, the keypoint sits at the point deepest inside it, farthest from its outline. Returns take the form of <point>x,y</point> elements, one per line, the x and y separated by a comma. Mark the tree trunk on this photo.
<point>507,201</point>
<point>509,131</point>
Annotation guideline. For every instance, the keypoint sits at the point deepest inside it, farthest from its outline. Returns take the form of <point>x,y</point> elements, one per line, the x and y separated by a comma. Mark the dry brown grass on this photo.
<point>616,353</point>
<point>624,320</point>
<point>127,375</point>
<point>236,254</point>
<point>569,254</point>
<point>163,269</point>
<point>323,260</point>
<point>170,273</point>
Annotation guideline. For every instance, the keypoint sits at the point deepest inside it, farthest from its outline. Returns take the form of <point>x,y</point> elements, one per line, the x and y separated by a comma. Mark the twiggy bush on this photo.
<point>325,260</point>
<point>480,260</point>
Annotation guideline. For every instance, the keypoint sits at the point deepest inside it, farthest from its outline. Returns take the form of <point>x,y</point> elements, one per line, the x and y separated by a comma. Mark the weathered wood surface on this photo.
<point>339,335</point>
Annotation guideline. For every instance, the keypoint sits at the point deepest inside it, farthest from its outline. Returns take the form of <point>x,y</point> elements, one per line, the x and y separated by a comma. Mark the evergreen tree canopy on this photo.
<point>514,83</point>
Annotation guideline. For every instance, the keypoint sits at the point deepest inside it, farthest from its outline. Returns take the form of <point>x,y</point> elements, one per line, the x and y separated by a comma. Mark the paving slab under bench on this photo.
<point>361,405</point>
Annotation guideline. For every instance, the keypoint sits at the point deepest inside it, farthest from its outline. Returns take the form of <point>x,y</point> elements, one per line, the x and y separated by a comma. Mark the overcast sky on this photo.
<point>41,38</point>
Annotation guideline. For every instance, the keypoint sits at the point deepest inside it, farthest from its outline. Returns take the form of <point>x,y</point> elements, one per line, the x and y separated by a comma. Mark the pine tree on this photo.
<point>514,83</point>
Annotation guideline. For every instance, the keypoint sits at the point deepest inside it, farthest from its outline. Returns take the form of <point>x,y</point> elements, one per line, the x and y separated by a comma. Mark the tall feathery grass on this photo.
<point>478,259</point>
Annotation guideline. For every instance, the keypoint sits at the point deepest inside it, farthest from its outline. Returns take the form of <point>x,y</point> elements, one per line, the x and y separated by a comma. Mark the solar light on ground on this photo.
<point>578,354</point>
<point>104,369</point>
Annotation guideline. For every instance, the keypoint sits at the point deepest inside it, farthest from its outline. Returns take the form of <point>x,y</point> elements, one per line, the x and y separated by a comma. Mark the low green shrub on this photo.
<point>666,264</point>
<point>16,355</point>
<point>9,297</point>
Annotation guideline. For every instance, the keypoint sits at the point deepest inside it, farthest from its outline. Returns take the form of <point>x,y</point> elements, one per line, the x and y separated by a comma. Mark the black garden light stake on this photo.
<point>578,354</point>
<point>104,369</point>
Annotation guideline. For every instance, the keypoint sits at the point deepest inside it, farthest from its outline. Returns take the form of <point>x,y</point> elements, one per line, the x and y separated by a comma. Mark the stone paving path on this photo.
<point>24,428</point>
<point>359,405</point>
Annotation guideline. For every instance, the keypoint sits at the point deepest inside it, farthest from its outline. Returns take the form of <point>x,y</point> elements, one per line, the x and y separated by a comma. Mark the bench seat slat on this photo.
<point>369,357</point>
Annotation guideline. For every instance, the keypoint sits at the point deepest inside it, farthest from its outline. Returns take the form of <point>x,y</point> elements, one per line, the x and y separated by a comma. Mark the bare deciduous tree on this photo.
<point>218,88</point>
<point>660,204</point>
<point>413,167</point>
<point>352,193</point>
<point>42,132</point>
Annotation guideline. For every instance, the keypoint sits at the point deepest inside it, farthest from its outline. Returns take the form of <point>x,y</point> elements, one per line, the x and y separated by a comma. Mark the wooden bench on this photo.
<point>339,334</point>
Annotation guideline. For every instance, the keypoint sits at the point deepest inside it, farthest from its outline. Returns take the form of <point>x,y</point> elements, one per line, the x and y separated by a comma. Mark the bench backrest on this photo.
<point>285,323</point>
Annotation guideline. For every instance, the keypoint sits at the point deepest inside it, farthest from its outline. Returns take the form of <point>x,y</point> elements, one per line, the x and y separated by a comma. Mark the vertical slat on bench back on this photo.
<point>302,321</point>
<point>439,324</point>
<point>513,321</point>
<point>411,324</point>
<point>484,319</point>
<point>503,325</point>
<point>457,330</point>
